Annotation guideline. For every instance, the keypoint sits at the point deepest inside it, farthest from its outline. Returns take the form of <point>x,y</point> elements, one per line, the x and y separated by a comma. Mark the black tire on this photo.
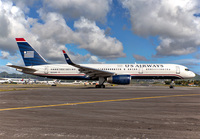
<point>171,86</point>
<point>100,86</point>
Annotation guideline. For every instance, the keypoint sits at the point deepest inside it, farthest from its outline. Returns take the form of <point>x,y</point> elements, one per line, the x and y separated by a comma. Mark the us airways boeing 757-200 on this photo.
<point>35,64</point>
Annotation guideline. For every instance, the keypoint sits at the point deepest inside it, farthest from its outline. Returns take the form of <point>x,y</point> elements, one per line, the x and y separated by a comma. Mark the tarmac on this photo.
<point>129,112</point>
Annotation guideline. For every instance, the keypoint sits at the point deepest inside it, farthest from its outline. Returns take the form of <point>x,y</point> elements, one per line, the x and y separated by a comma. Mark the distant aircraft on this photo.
<point>15,80</point>
<point>35,64</point>
<point>5,81</point>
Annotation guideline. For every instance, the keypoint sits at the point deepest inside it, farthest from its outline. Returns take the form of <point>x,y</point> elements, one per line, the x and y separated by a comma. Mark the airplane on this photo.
<point>122,74</point>
<point>3,80</point>
<point>15,80</point>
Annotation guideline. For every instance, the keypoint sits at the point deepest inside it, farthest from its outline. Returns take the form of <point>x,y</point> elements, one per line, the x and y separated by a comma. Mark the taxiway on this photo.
<point>114,112</point>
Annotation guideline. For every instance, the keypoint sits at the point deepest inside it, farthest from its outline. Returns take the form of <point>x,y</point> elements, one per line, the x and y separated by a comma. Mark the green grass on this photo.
<point>11,89</point>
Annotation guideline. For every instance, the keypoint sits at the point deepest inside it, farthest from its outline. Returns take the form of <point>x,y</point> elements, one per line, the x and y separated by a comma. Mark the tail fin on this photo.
<point>29,55</point>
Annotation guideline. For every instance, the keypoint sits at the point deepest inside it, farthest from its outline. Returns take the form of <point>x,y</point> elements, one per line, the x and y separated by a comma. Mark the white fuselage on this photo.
<point>137,71</point>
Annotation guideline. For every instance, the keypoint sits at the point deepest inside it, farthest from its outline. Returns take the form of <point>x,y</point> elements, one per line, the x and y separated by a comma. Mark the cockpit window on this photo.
<point>187,70</point>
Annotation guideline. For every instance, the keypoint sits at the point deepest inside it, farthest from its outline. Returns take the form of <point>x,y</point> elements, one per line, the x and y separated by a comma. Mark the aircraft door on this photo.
<point>140,70</point>
<point>177,70</point>
<point>46,70</point>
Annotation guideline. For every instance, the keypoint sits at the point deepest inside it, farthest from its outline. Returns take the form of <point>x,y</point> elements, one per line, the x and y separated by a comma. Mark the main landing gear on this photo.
<point>172,84</point>
<point>101,83</point>
<point>100,86</point>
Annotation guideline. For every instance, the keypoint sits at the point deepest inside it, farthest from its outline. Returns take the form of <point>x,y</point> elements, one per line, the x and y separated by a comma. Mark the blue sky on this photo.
<point>107,31</point>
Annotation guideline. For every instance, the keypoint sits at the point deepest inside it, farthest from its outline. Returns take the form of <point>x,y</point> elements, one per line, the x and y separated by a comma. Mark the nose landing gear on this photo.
<point>172,84</point>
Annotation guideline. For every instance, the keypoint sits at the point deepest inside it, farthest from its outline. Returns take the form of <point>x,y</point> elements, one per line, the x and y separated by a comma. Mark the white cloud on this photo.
<point>90,9</point>
<point>4,26</point>
<point>93,39</point>
<point>50,37</point>
<point>173,21</point>
<point>14,24</point>
<point>94,60</point>
<point>140,58</point>
<point>4,55</point>
<point>55,33</point>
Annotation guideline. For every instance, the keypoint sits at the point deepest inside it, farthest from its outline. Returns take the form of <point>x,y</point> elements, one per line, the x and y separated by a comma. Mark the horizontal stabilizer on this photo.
<point>21,68</point>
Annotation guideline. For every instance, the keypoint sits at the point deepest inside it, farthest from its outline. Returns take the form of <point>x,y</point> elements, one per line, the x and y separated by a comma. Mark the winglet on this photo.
<point>67,58</point>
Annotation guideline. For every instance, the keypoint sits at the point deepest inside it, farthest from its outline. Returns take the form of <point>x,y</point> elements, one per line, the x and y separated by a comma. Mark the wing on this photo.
<point>90,72</point>
<point>22,69</point>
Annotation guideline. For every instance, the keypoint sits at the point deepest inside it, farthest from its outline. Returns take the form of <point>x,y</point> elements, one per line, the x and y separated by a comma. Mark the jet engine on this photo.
<point>119,79</point>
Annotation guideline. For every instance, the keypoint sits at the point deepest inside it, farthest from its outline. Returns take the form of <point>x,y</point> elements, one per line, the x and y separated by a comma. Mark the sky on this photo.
<point>102,31</point>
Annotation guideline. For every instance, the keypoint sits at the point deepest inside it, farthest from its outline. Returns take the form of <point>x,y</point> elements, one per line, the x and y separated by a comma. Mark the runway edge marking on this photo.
<point>90,102</point>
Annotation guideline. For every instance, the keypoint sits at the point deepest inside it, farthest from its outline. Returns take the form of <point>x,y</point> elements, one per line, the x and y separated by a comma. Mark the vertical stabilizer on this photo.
<point>30,56</point>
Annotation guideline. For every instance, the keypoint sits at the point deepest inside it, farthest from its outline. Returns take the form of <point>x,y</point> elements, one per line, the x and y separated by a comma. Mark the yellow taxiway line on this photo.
<point>90,102</point>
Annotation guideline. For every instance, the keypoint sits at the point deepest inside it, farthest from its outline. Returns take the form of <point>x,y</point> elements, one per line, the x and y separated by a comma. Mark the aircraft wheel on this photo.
<point>100,86</point>
<point>171,86</point>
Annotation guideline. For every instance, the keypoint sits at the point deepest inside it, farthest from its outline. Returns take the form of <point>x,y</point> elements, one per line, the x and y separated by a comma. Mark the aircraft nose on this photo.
<point>192,74</point>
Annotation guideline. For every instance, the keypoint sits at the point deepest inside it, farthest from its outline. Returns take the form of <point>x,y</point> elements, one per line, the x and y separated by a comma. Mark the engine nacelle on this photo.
<point>119,79</point>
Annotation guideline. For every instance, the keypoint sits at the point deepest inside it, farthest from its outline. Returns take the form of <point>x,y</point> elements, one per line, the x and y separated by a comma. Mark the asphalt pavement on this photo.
<point>129,112</point>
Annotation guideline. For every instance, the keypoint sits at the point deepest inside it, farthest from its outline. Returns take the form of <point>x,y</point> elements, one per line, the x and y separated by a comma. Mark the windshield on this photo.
<point>187,70</point>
